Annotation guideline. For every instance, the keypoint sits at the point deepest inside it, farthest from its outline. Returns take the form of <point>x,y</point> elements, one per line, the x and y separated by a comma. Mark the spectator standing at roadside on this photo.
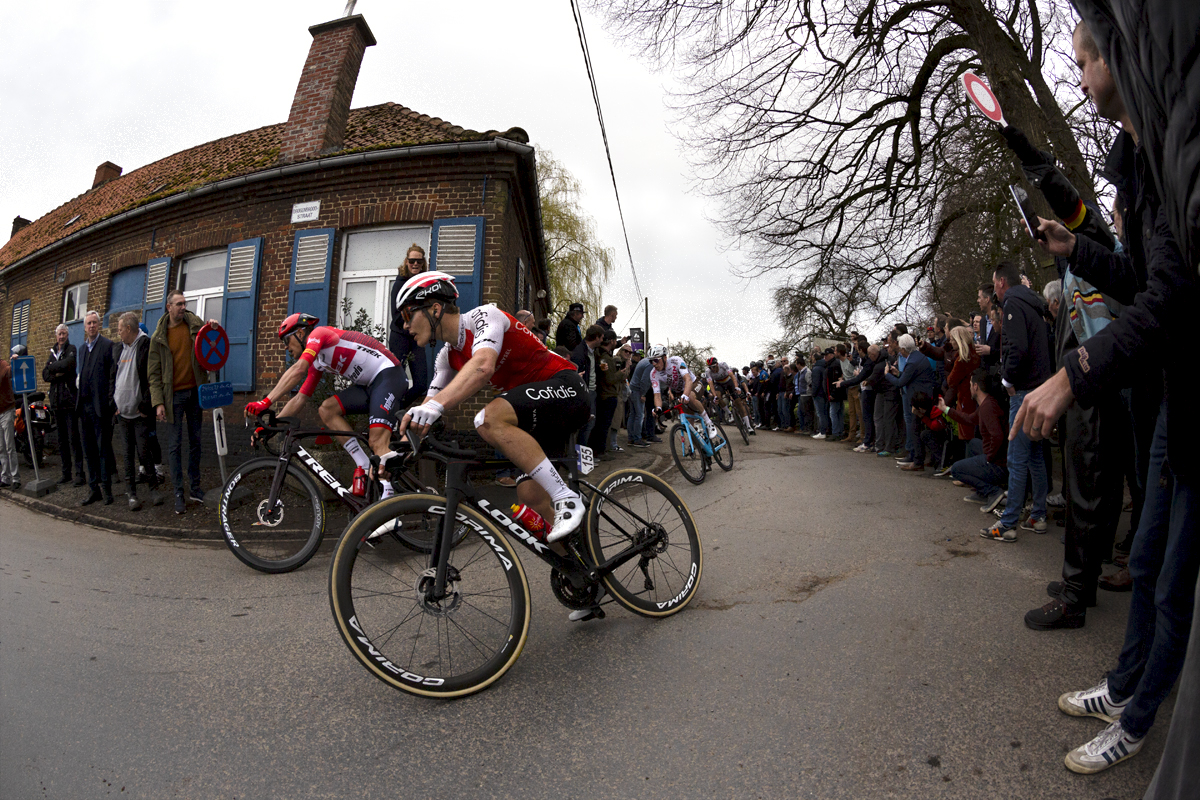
<point>401,342</point>
<point>958,380</point>
<point>820,397</point>
<point>985,469</point>
<point>640,427</point>
<point>853,399</point>
<point>568,334</point>
<point>175,376</point>
<point>859,382</point>
<point>1025,365</point>
<point>131,395</point>
<point>10,476</point>
<point>609,319</point>
<point>608,392</point>
<point>61,373</point>
<point>584,357</point>
<point>837,394</point>
<point>989,332</point>
<point>915,376</point>
<point>95,406</point>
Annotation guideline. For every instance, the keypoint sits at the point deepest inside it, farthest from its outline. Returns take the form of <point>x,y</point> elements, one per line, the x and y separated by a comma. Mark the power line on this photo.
<point>587,61</point>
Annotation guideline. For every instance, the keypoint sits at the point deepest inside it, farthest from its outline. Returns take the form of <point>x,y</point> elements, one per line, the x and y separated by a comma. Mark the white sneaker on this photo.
<point>712,432</point>
<point>1056,501</point>
<point>818,436</point>
<point>862,448</point>
<point>568,515</point>
<point>1113,745</point>
<point>1093,702</point>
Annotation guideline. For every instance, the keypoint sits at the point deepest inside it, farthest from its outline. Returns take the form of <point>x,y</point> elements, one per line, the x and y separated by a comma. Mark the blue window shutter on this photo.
<point>20,324</point>
<point>312,255</point>
<point>126,293</point>
<point>154,304</point>
<point>456,248</point>
<point>240,311</point>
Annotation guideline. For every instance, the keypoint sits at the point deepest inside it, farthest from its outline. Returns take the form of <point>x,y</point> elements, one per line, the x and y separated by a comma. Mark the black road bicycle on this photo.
<point>452,621</point>
<point>272,508</point>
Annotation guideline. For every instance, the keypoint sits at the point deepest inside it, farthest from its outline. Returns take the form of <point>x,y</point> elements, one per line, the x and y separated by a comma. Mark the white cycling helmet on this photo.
<point>427,287</point>
<point>656,351</point>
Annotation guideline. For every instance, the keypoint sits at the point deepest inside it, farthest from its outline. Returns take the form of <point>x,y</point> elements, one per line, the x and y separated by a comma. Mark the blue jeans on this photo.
<point>837,416</point>
<point>785,410</point>
<point>637,413</point>
<point>910,433</point>
<point>185,406</point>
<point>1164,564</point>
<point>822,405</point>
<point>1025,461</point>
<point>867,398</point>
<point>979,473</point>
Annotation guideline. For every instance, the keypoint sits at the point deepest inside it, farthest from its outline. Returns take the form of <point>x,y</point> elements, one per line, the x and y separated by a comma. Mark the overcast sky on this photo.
<point>135,81</point>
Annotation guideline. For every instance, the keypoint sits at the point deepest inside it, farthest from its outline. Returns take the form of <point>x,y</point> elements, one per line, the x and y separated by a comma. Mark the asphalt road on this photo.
<point>852,638</point>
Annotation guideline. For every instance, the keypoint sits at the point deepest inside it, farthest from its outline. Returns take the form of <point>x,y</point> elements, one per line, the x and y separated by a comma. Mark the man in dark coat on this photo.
<point>95,407</point>
<point>568,334</point>
<point>61,372</point>
<point>820,395</point>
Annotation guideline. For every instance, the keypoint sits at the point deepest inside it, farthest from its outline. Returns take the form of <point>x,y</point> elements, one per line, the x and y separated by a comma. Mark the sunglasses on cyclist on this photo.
<point>406,313</point>
<point>416,261</point>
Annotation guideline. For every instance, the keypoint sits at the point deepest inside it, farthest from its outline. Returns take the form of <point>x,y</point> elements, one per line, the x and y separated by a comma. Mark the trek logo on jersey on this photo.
<point>342,356</point>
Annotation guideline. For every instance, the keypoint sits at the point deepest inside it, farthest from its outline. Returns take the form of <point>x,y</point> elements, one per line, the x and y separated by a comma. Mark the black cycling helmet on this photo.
<point>712,361</point>
<point>297,322</point>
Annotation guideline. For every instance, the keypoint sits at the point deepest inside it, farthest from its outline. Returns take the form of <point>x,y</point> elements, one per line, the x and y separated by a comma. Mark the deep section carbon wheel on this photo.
<point>268,538</point>
<point>639,512</point>
<point>722,449</point>
<point>382,595</point>
<point>688,456</point>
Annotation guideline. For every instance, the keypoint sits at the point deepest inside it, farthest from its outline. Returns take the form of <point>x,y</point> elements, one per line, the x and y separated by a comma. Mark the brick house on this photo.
<point>304,215</point>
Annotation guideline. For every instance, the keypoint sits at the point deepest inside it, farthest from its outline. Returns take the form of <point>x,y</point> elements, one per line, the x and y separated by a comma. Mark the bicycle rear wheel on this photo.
<point>742,429</point>
<point>722,449</point>
<point>634,508</point>
<point>379,594</point>
<point>271,540</point>
<point>688,457</point>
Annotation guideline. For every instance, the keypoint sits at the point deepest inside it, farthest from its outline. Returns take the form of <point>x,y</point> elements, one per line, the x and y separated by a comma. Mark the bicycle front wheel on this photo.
<point>636,509</point>
<point>380,591</point>
<point>722,449</point>
<point>278,539</point>
<point>688,457</point>
<point>743,430</point>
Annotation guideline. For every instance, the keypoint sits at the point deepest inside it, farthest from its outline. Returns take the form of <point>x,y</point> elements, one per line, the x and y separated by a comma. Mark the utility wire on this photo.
<point>587,61</point>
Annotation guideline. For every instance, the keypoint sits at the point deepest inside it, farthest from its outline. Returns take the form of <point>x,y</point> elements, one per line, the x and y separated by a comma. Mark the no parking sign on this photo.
<point>212,347</point>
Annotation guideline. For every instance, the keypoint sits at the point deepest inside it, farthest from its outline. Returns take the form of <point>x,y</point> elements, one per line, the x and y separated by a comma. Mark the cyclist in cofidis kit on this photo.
<point>377,377</point>
<point>670,372</point>
<point>542,402</point>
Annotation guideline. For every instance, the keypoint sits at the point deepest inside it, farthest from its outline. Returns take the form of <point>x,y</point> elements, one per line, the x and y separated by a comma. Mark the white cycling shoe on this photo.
<point>568,515</point>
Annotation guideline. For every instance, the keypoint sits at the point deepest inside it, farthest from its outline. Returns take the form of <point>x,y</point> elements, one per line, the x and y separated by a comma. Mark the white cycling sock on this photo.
<point>746,420</point>
<point>548,478</point>
<point>358,454</point>
<point>707,421</point>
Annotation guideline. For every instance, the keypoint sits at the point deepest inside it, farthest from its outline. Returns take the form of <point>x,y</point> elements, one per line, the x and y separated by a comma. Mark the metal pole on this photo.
<point>646,333</point>
<point>37,476</point>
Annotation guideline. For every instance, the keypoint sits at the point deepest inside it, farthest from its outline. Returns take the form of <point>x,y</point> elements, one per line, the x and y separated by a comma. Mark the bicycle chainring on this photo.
<point>574,597</point>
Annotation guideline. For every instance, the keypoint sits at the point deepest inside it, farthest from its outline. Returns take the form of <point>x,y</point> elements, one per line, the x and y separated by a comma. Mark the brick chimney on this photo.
<point>18,224</point>
<point>108,171</point>
<point>321,107</point>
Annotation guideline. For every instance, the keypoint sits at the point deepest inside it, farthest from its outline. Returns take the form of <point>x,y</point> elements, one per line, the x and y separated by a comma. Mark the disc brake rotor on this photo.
<point>270,517</point>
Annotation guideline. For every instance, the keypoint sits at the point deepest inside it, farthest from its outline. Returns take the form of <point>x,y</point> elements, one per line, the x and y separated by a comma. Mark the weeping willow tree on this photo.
<point>578,262</point>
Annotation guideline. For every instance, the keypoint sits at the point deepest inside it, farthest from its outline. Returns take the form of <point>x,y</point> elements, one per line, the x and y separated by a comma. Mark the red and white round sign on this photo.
<point>981,96</point>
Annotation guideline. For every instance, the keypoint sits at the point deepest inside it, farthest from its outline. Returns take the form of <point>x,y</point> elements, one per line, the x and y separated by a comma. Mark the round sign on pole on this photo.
<point>212,347</point>
<point>981,96</point>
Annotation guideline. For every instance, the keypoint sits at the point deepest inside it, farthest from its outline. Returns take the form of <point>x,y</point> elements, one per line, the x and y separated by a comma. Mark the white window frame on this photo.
<point>201,296</point>
<point>80,312</point>
<point>383,277</point>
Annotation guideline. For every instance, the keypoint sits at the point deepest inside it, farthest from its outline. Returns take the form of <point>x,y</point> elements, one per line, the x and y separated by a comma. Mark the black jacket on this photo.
<point>583,360</point>
<point>1026,362</point>
<point>96,378</point>
<point>568,335</point>
<point>60,372</point>
<point>817,380</point>
<point>992,359</point>
<point>1153,52</point>
<point>833,374</point>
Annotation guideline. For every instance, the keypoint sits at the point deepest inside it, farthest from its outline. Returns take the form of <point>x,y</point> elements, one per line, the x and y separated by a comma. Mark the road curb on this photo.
<point>115,526</point>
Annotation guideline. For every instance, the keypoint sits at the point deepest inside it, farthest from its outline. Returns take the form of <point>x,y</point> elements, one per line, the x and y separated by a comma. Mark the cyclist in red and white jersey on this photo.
<point>377,376</point>
<point>729,381</point>
<point>542,400</point>
<point>670,372</point>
